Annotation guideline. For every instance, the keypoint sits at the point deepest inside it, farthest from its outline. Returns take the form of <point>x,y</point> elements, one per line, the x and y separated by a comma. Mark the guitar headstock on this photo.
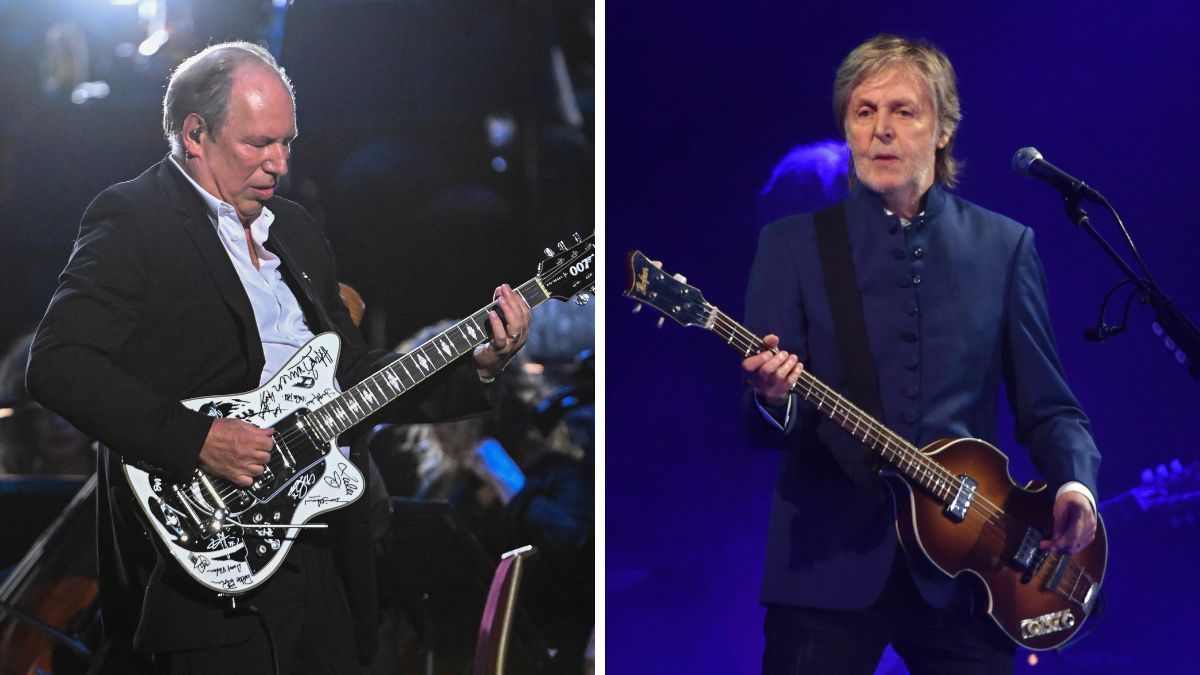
<point>570,271</point>
<point>651,286</point>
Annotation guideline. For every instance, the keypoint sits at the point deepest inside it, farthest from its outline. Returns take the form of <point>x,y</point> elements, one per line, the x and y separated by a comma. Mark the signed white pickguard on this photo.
<point>224,565</point>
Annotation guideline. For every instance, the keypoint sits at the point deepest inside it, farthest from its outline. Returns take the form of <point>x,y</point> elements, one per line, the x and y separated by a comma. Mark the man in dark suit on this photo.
<point>954,303</point>
<point>195,279</point>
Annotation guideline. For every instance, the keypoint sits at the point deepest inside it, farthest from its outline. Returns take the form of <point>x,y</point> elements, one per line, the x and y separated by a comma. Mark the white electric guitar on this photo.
<point>231,539</point>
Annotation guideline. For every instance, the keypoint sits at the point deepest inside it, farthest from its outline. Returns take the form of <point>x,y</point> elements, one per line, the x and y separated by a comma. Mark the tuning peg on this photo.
<point>549,252</point>
<point>680,278</point>
<point>661,320</point>
<point>578,239</point>
<point>561,245</point>
<point>637,308</point>
<point>582,299</point>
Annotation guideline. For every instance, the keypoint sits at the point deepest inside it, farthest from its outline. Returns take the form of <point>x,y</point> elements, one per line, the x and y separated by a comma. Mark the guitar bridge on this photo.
<point>1029,556</point>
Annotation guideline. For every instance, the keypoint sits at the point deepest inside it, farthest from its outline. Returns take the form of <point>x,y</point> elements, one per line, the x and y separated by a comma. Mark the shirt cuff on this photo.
<point>1076,486</point>
<point>771,413</point>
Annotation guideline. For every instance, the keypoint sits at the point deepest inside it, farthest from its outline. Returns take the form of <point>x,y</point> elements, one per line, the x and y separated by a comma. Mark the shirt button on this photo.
<point>912,363</point>
<point>234,236</point>
<point>912,391</point>
<point>916,279</point>
<point>909,336</point>
<point>898,253</point>
<point>918,252</point>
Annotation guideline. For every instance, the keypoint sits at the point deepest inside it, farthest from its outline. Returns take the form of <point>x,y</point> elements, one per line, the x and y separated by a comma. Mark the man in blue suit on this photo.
<point>954,303</point>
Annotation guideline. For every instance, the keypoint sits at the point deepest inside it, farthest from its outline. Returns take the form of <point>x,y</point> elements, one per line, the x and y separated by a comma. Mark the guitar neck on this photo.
<point>886,444</point>
<point>367,397</point>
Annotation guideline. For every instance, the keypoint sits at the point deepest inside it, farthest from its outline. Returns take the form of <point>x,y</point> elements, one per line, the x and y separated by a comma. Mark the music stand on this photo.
<point>441,575</point>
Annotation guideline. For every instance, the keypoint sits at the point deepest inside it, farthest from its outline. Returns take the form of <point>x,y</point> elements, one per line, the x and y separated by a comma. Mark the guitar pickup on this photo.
<point>957,509</point>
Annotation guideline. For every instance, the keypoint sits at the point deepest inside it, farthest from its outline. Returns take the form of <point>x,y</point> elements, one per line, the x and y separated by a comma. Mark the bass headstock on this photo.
<point>649,285</point>
<point>570,271</point>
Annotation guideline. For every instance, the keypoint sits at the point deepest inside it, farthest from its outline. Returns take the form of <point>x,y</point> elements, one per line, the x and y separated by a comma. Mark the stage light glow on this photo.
<point>86,91</point>
<point>499,164</point>
<point>500,130</point>
<point>147,9</point>
<point>826,161</point>
<point>152,43</point>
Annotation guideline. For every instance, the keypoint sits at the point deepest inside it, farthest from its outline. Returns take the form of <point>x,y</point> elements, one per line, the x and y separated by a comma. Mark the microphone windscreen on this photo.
<point>1023,159</point>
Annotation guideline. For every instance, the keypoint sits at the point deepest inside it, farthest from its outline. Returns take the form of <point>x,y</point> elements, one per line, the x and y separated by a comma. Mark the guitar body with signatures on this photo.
<point>232,539</point>
<point>956,502</point>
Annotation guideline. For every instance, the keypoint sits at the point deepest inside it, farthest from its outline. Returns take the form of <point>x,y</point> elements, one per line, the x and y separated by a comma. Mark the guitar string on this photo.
<point>229,490</point>
<point>989,511</point>
<point>293,434</point>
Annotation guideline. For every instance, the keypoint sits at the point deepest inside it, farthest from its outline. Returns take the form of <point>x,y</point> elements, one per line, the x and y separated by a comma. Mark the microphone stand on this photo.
<point>1173,323</point>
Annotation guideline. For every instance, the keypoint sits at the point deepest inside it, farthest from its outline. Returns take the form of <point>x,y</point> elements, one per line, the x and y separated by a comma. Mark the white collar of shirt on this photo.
<point>904,222</point>
<point>218,209</point>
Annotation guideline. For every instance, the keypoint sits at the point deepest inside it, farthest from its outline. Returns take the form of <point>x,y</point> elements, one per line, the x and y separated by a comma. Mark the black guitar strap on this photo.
<point>849,325</point>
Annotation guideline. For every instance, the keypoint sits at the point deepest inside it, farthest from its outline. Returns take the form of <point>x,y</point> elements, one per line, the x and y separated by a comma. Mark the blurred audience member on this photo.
<point>34,440</point>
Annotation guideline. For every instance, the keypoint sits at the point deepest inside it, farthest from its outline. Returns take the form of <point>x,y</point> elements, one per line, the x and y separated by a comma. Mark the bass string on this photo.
<point>748,342</point>
<point>995,519</point>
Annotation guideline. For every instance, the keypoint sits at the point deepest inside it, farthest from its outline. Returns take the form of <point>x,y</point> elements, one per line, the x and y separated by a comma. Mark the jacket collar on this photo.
<point>866,202</point>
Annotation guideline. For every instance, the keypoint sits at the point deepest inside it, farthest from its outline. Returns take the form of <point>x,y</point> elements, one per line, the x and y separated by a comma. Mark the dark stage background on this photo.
<point>443,144</point>
<point>703,100</point>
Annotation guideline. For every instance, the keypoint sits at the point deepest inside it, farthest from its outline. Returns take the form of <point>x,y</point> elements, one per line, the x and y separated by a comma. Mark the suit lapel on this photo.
<point>196,224</point>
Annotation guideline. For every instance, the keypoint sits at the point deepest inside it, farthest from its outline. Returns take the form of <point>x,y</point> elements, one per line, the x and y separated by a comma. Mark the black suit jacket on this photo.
<point>150,311</point>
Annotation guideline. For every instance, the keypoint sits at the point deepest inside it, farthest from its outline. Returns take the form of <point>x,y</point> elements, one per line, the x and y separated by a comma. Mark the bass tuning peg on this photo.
<point>583,298</point>
<point>549,252</point>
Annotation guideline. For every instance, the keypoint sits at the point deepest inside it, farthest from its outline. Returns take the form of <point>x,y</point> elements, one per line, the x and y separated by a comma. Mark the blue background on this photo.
<point>703,99</point>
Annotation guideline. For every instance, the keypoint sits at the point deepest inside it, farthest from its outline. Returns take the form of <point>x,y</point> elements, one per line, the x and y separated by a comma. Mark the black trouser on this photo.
<point>849,642</point>
<point>303,606</point>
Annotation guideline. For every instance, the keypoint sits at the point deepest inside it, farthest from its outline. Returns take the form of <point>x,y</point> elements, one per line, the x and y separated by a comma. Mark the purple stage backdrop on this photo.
<point>705,101</point>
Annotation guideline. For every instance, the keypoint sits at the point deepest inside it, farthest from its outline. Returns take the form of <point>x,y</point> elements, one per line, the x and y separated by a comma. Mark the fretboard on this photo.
<point>356,403</point>
<point>886,444</point>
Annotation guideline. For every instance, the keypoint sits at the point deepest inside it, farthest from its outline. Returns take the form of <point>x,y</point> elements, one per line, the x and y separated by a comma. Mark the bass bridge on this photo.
<point>1030,555</point>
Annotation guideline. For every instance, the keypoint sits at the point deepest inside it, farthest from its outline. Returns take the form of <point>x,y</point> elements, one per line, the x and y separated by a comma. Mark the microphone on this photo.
<point>1029,162</point>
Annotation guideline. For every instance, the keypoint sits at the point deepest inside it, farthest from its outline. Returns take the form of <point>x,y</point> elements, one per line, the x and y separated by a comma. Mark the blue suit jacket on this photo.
<point>955,305</point>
